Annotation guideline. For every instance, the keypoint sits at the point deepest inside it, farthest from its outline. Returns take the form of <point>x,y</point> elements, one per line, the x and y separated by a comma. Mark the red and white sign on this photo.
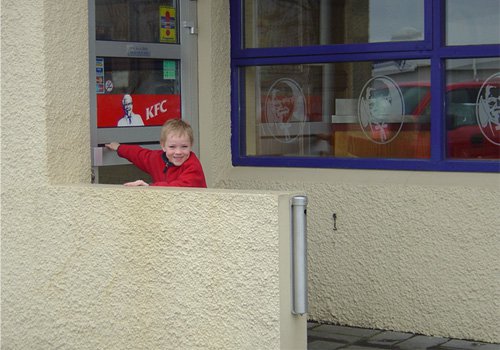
<point>154,110</point>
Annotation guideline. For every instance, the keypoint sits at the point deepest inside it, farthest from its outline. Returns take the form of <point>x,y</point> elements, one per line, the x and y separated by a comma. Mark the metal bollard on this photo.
<point>299,255</point>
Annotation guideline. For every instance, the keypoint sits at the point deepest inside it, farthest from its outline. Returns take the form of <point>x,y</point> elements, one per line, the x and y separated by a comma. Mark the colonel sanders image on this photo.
<point>129,118</point>
<point>381,103</point>
<point>285,104</point>
<point>488,110</point>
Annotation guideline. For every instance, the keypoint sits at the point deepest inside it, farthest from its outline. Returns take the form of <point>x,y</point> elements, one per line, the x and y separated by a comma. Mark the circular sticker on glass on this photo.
<point>488,109</point>
<point>109,86</point>
<point>285,110</point>
<point>381,109</point>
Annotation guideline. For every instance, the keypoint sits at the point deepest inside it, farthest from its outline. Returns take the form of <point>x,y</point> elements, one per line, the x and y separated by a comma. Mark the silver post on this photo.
<point>299,255</point>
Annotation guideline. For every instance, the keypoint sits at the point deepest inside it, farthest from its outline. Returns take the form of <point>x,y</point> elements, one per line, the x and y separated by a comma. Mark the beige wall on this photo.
<point>414,251</point>
<point>86,266</point>
<point>95,267</point>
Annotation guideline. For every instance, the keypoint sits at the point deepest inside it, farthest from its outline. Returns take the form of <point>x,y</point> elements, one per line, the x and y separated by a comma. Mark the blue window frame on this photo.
<point>342,87</point>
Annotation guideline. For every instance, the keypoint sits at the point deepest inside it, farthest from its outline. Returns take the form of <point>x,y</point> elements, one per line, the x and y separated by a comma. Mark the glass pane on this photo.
<point>472,22</point>
<point>347,109</point>
<point>473,108</point>
<point>282,23</point>
<point>119,174</point>
<point>144,90</point>
<point>153,21</point>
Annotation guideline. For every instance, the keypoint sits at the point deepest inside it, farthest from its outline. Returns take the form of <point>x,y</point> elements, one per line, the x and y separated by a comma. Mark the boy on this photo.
<point>174,165</point>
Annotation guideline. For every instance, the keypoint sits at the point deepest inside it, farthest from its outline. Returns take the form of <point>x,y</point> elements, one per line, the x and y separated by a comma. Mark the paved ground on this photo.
<point>328,337</point>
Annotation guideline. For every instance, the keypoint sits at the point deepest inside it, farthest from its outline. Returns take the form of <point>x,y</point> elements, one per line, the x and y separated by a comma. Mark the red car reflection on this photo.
<point>472,116</point>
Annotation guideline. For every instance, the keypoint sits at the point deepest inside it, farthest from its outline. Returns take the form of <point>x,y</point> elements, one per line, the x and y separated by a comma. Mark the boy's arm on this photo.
<point>137,155</point>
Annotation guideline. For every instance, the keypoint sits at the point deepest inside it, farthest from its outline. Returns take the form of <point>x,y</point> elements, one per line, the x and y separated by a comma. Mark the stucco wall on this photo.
<point>120,268</point>
<point>414,251</point>
<point>86,266</point>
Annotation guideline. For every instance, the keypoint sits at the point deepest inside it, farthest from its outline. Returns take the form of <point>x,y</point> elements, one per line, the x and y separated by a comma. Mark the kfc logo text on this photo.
<point>155,109</point>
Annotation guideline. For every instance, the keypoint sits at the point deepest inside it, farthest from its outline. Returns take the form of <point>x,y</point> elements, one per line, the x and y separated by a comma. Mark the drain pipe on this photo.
<point>299,255</point>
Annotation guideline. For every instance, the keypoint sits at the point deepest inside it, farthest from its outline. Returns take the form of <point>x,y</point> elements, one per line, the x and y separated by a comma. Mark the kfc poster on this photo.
<point>129,110</point>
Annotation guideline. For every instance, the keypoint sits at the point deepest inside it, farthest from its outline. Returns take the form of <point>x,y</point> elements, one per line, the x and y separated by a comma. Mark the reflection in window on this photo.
<point>473,108</point>
<point>152,21</point>
<point>282,23</point>
<point>472,22</point>
<point>360,85</point>
<point>345,109</point>
<point>138,76</point>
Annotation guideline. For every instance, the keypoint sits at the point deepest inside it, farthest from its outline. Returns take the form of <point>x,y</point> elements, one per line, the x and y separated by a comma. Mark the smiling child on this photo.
<point>174,165</point>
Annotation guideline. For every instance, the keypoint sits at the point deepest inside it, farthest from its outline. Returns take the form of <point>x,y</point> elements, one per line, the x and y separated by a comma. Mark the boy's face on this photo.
<point>177,147</point>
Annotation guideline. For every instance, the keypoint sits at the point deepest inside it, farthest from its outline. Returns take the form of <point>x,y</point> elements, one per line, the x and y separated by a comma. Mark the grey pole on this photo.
<point>299,255</point>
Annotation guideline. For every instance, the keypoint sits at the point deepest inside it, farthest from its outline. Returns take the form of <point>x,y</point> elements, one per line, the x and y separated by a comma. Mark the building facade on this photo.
<point>407,250</point>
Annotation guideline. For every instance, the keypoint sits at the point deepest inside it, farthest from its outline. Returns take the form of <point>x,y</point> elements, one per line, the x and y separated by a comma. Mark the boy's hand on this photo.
<point>136,183</point>
<point>112,146</point>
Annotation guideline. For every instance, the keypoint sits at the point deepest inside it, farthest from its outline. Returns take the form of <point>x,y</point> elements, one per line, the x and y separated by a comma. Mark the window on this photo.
<point>144,63</point>
<point>150,21</point>
<point>369,84</point>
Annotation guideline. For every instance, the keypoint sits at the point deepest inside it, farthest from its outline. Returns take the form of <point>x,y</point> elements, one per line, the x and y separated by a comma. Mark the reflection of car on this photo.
<point>465,138</point>
<point>472,122</point>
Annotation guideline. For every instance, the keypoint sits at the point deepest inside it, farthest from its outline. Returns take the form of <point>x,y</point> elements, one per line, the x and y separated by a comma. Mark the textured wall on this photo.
<point>414,251</point>
<point>45,101</point>
<point>23,72</point>
<point>67,98</point>
<point>411,258</point>
<point>214,69</point>
<point>86,267</point>
<point>120,268</point>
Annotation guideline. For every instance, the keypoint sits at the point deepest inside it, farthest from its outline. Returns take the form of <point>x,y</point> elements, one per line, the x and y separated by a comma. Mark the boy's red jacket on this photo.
<point>164,173</point>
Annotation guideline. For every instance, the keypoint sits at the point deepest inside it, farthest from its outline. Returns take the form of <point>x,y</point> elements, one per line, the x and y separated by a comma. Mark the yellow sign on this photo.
<point>168,25</point>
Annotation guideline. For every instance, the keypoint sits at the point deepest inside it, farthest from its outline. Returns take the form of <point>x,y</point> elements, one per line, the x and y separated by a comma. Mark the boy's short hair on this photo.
<point>178,127</point>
